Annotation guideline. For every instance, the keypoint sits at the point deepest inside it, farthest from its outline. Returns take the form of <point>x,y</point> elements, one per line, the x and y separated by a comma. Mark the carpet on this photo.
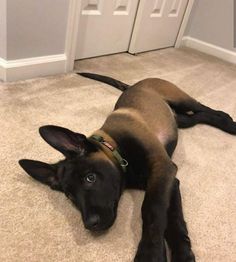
<point>38,224</point>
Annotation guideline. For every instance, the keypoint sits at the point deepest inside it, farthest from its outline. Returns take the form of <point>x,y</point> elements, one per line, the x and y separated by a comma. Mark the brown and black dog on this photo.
<point>132,149</point>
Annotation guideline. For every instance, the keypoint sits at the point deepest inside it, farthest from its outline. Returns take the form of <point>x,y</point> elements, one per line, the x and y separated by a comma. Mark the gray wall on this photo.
<point>3,34</point>
<point>36,28</point>
<point>212,21</point>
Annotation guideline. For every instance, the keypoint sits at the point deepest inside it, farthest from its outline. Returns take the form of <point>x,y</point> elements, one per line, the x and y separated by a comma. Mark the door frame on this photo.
<point>73,27</point>
<point>184,23</point>
<point>71,34</point>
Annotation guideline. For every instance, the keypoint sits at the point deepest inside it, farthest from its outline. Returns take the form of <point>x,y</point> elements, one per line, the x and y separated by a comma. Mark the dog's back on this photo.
<point>144,107</point>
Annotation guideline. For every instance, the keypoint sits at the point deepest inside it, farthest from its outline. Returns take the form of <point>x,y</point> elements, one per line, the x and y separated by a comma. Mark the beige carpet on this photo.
<point>40,225</point>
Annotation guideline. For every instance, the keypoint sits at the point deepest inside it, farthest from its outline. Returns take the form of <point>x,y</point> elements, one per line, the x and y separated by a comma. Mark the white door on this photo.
<point>157,24</point>
<point>105,27</point>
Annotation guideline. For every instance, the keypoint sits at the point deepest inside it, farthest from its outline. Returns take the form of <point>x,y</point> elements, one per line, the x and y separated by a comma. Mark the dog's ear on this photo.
<point>64,140</point>
<point>43,172</point>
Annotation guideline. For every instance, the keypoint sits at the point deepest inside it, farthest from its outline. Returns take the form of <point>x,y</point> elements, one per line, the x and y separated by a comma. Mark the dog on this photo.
<point>132,149</point>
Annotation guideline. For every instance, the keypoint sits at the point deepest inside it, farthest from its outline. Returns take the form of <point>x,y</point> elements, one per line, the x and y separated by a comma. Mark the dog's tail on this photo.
<point>107,80</point>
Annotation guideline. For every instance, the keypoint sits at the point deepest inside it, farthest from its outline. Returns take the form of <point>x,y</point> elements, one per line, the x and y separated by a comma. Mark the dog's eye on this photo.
<point>90,178</point>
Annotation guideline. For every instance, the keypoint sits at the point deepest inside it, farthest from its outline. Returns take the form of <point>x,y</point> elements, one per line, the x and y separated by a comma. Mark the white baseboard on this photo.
<point>210,49</point>
<point>13,70</point>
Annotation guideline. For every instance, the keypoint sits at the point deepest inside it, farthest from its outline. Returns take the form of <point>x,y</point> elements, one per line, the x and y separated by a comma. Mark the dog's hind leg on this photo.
<point>176,233</point>
<point>190,112</point>
<point>191,106</point>
<point>181,102</point>
<point>220,121</point>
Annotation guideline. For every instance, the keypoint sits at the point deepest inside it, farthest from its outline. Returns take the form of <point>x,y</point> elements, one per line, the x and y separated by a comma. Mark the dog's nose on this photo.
<point>92,222</point>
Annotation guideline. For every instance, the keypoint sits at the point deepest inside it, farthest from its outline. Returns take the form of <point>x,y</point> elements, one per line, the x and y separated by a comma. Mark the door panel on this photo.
<point>157,24</point>
<point>105,27</point>
<point>92,7</point>
<point>158,8</point>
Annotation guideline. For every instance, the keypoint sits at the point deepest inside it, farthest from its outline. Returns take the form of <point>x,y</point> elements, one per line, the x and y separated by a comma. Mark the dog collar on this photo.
<point>115,152</point>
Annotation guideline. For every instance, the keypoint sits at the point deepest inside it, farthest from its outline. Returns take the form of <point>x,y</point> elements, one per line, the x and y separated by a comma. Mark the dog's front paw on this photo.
<point>184,256</point>
<point>148,252</point>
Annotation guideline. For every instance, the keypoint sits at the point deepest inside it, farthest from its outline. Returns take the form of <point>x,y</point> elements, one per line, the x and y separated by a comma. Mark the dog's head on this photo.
<point>87,176</point>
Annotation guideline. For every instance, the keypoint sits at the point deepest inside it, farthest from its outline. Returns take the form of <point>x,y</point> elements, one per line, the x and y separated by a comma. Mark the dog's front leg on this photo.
<point>176,233</point>
<point>154,214</point>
